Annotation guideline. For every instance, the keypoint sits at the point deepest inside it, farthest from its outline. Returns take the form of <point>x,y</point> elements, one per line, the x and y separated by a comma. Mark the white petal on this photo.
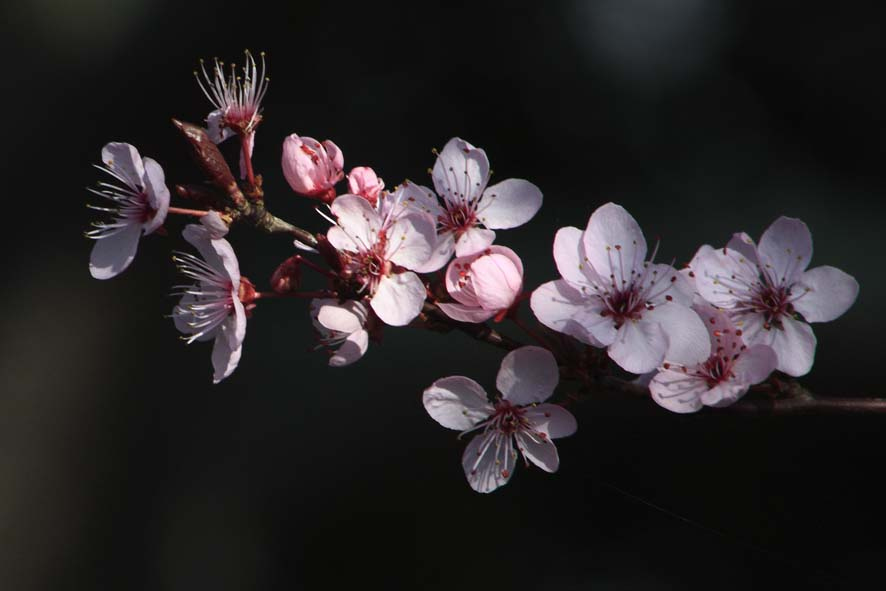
<point>112,254</point>
<point>347,317</point>
<point>213,222</point>
<point>217,134</point>
<point>614,243</point>
<point>183,318</point>
<point>125,160</point>
<point>412,197</point>
<point>569,256</point>
<point>509,204</point>
<point>689,342</point>
<point>723,277</point>
<point>357,219</point>
<point>489,460</point>
<point>457,402</point>
<point>724,394</point>
<point>639,346</point>
<point>677,391</point>
<point>461,172</point>
<point>754,364</point>
<point>556,305</point>
<point>473,240</point>
<point>158,194</point>
<point>443,250</point>
<point>399,298</point>
<point>598,323</point>
<point>411,239</point>
<point>527,375</point>
<point>538,449</point>
<point>744,245</point>
<point>552,420</point>
<point>229,343</point>
<point>829,292</point>
<point>785,250</point>
<point>794,344</point>
<point>351,350</point>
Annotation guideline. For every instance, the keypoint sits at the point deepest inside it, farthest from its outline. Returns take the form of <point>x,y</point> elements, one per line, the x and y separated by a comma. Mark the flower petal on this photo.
<point>527,375</point>
<point>497,281</point>
<point>229,343</point>
<point>509,204</point>
<point>689,342</point>
<point>556,304</point>
<point>473,240</point>
<point>112,254</point>
<point>754,364</point>
<point>569,257</point>
<point>217,134</point>
<point>158,194</point>
<point>678,392</point>
<point>461,172</point>
<point>829,292</point>
<point>357,220</point>
<point>538,449</point>
<point>351,350</point>
<point>399,298</point>
<point>346,317</point>
<point>614,243</point>
<point>464,313</point>
<point>785,250</point>
<point>744,245</point>
<point>724,394</point>
<point>457,402</point>
<point>489,460</point>
<point>552,420</point>
<point>640,346</point>
<point>794,344</point>
<point>411,239</point>
<point>213,222</point>
<point>124,160</point>
<point>443,251</point>
<point>724,277</point>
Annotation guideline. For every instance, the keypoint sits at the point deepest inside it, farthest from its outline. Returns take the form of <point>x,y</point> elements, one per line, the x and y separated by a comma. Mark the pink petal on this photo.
<point>595,318</point>
<point>461,172</point>
<point>794,345</point>
<point>539,450</point>
<point>158,194</point>
<point>724,394</point>
<point>229,343</point>
<point>411,239</point>
<point>112,254</point>
<point>688,339</point>
<point>496,280</point>
<point>509,204</point>
<point>551,419</point>
<point>613,242</point>
<point>358,221</point>
<point>399,298</point>
<point>457,402</point>
<point>785,250</point>
<point>217,134</point>
<point>829,292</point>
<point>755,364</point>
<point>569,257</point>
<point>463,313</point>
<point>677,391</point>
<point>346,317</point>
<point>213,222</point>
<point>556,305</point>
<point>473,240</point>
<point>743,245</point>
<point>714,271</point>
<point>410,196</point>
<point>336,159</point>
<point>444,248</point>
<point>527,375</point>
<point>489,461</point>
<point>125,160</point>
<point>640,346</point>
<point>351,350</point>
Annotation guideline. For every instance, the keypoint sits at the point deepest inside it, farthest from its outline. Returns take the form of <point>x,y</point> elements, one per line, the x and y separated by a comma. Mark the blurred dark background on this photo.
<point>123,467</point>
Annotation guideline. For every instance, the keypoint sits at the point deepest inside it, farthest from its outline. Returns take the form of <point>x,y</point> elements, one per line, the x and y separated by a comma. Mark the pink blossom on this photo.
<point>139,201</point>
<point>363,181</point>
<point>378,247</point>
<point>610,297</point>
<point>312,168</point>
<point>213,308</point>
<point>483,285</point>
<point>236,97</point>
<point>468,210</point>
<point>342,325</point>
<point>518,421</point>
<point>723,378</point>
<point>770,294</point>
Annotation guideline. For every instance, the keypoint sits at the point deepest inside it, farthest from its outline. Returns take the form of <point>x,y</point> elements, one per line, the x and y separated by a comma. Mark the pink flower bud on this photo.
<point>363,181</point>
<point>312,168</point>
<point>483,285</point>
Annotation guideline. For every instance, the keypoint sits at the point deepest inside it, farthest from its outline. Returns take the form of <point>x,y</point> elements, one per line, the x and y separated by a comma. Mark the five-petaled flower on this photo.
<point>216,306</point>
<point>460,176</point>
<point>378,247</point>
<point>764,287</point>
<point>312,168</point>
<point>518,421</point>
<point>139,203</point>
<point>611,297</point>
<point>483,285</point>
<point>342,329</point>
<point>685,386</point>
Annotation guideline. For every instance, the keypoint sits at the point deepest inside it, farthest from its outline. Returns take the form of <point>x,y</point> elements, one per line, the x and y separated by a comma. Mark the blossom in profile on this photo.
<point>771,295</point>
<point>312,168</point>
<point>518,421</point>
<point>610,296</point>
<point>215,307</point>
<point>342,329</point>
<point>377,248</point>
<point>483,285</point>
<point>685,386</point>
<point>468,211</point>
<point>363,181</point>
<point>138,202</point>
<point>236,96</point>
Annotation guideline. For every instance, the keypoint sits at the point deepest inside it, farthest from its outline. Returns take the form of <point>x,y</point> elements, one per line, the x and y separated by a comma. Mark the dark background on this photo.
<point>123,467</point>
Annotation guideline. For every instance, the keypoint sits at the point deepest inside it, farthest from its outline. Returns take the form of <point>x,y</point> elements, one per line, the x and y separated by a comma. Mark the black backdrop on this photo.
<point>123,467</point>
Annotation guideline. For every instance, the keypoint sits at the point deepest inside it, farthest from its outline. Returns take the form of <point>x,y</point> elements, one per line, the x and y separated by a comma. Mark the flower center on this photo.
<point>716,369</point>
<point>773,303</point>
<point>508,418</point>
<point>458,219</point>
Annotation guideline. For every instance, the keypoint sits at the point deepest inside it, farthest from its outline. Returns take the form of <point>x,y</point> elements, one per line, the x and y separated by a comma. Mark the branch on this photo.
<point>437,320</point>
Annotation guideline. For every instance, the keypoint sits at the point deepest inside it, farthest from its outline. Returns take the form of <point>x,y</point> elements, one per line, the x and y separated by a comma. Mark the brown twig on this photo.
<point>435,319</point>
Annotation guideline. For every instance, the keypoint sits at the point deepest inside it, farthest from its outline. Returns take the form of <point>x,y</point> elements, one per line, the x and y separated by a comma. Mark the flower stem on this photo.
<point>197,213</point>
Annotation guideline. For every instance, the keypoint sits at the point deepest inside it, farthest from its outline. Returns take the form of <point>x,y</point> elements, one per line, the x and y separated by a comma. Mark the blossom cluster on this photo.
<point>426,256</point>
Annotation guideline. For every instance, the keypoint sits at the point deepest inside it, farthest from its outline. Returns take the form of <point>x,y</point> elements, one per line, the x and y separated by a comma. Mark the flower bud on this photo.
<point>483,285</point>
<point>312,168</point>
<point>364,182</point>
<point>287,277</point>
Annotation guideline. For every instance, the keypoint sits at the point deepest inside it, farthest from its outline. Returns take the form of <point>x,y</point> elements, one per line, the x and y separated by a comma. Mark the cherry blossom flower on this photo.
<point>377,248</point>
<point>139,203</point>
<point>460,176</point>
<point>342,325</point>
<point>312,168</point>
<point>518,421</point>
<point>363,181</point>
<point>483,285</point>
<point>609,297</point>
<point>723,378</point>
<point>216,306</point>
<point>765,287</point>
